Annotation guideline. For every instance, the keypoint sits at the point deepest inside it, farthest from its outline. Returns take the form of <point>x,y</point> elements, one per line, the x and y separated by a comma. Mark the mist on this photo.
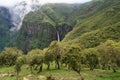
<point>13,2</point>
<point>19,8</point>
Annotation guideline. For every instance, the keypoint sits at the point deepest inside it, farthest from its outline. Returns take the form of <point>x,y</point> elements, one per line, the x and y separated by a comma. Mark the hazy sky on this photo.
<point>11,2</point>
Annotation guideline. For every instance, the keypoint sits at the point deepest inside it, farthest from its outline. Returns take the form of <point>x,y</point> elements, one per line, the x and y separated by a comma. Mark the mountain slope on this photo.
<point>5,25</point>
<point>103,25</point>
<point>88,25</point>
<point>41,27</point>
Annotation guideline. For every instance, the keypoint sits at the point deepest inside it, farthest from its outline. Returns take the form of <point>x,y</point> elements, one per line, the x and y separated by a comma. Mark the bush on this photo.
<point>9,55</point>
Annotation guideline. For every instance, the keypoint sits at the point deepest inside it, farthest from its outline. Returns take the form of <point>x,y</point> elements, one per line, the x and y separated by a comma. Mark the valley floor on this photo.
<point>62,74</point>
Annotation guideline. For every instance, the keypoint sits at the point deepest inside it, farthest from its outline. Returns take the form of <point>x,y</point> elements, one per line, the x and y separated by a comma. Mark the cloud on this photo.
<point>63,1</point>
<point>12,2</point>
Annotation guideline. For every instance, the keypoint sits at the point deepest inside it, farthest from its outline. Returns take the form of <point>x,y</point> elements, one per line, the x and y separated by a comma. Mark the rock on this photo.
<point>6,75</point>
<point>41,77</point>
<point>25,78</point>
<point>30,75</point>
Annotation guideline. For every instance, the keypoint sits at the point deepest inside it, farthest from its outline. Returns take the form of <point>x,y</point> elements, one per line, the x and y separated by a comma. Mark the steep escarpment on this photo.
<point>40,28</point>
<point>11,18</point>
<point>86,24</point>
<point>51,22</point>
<point>5,25</point>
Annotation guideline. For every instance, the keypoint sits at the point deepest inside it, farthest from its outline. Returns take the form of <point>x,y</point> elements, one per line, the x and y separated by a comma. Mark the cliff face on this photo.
<point>41,27</point>
<point>5,25</point>
<point>81,23</point>
<point>39,36</point>
<point>50,22</point>
<point>11,18</point>
<point>5,16</point>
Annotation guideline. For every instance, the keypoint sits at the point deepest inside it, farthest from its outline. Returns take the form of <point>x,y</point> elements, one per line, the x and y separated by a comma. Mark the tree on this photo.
<point>109,54</point>
<point>48,58</point>
<point>9,55</point>
<point>56,51</point>
<point>19,62</point>
<point>91,55</point>
<point>72,58</point>
<point>35,57</point>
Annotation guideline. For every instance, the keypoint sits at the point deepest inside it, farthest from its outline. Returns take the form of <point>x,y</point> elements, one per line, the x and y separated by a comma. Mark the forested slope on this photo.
<point>102,25</point>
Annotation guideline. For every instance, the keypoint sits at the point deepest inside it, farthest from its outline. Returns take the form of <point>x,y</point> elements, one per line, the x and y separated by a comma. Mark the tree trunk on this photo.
<point>103,67</point>
<point>81,77</point>
<point>108,67</point>
<point>48,66</point>
<point>40,69</point>
<point>58,65</point>
<point>17,76</point>
<point>91,68</point>
<point>36,67</point>
<point>31,69</point>
<point>79,72</point>
<point>114,70</point>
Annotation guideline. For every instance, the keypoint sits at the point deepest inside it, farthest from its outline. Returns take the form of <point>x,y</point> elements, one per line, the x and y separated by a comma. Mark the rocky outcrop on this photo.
<point>39,35</point>
<point>5,25</point>
<point>39,28</point>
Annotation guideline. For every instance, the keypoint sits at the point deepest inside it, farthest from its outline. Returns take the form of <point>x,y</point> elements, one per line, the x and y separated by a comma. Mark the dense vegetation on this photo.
<point>103,57</point>
<point>40,28</point>
<point>89,22</point>
<point>102,25</point>
<point>5,24</point>
<point>91,48</point>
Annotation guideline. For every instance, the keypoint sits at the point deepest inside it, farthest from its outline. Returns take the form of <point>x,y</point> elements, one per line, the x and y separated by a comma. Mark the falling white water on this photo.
<point>19,11</point>
<point>58,37</point>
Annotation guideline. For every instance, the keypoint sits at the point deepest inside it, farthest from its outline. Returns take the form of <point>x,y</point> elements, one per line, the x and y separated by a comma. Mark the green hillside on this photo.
<point>40,28</point>
<point>64,42</point>
<point>88,25</point>
<point>102,25</point>
<point>4,27</point>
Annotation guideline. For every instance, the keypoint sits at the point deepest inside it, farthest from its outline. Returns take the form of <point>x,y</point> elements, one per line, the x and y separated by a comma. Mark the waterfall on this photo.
<point>58,36</point>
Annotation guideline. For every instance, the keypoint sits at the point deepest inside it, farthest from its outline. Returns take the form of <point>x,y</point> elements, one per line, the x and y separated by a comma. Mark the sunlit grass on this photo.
<point>63,73</point>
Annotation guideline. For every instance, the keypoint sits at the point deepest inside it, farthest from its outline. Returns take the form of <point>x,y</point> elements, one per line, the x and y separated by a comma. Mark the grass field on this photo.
<point>62,74</point>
